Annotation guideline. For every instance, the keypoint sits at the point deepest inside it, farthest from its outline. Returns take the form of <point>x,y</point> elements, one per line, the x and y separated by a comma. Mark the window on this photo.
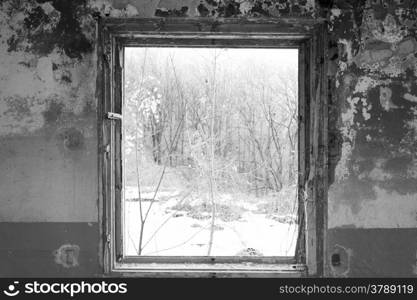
<point>212,156</point>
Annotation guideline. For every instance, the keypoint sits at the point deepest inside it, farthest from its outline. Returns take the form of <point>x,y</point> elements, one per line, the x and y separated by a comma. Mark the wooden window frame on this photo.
<point>306,34</point>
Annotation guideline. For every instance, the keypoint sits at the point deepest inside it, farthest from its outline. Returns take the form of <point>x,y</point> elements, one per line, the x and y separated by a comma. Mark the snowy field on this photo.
<point>175,228</point>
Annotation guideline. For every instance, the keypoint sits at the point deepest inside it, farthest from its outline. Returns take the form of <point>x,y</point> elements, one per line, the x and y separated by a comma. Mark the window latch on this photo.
<point>113,116</point>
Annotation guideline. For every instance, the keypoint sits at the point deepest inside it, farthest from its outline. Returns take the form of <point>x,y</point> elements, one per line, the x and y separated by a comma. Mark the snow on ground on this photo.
<point>171,232</point>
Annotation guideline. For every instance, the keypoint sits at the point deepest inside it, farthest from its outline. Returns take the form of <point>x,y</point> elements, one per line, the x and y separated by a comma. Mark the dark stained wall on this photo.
<point>48,129</point>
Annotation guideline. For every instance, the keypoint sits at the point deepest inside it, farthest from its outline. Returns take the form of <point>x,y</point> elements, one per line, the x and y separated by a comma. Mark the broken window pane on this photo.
<point>210,151</point>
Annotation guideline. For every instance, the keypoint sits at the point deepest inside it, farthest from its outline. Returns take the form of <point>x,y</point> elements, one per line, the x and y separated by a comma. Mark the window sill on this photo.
<point>208,270</point>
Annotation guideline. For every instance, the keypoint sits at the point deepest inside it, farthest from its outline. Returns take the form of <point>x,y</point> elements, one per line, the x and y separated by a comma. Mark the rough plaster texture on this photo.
<point>48,122</point>
<point>372,201</point>
<point>374,128</point>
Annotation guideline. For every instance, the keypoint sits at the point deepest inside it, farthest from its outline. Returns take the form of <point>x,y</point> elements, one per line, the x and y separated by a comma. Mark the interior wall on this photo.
<point>48,129</point>
<point>373,129</point>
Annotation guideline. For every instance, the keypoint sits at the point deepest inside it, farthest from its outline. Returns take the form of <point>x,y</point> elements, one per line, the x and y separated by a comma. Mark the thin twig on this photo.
<point>211,179</point>
<point>163,172</point>
<point>139,250</point>
<point>165,221</point>
<point>143,221</point>
<point>179,245</point>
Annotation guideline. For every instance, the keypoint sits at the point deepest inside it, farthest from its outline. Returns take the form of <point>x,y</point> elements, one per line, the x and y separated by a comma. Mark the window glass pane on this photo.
<point>210,151</point>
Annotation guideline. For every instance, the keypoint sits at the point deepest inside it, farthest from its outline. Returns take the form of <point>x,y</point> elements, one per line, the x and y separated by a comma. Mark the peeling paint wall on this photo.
<point>374,132</point>
<point>47,112</point>
<point>48,126</point>
<point>48,138</point>
<point>375,87</point>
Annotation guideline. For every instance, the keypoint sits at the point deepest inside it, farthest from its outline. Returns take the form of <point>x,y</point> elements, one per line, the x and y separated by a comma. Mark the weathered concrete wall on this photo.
<point>373,198</point>
<point>48,129</point>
